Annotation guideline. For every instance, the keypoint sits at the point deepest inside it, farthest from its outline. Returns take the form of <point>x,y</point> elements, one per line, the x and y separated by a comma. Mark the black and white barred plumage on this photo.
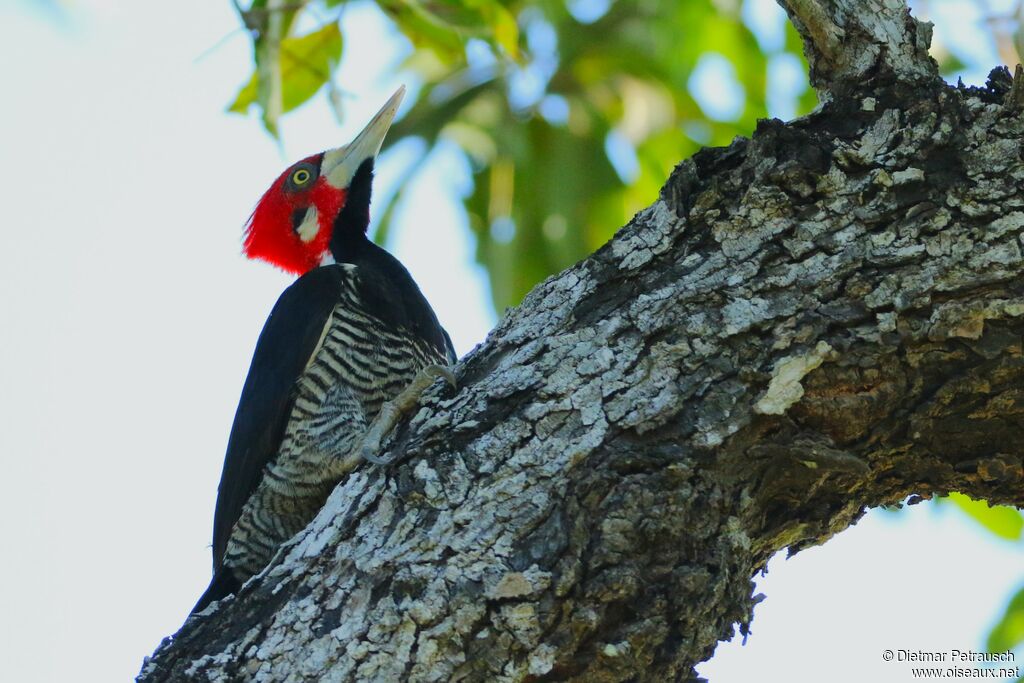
<point>360,362</point>
<point>342,340</point>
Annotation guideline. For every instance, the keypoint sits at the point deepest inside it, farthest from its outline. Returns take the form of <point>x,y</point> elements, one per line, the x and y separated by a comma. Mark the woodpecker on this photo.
<point>346,348</point>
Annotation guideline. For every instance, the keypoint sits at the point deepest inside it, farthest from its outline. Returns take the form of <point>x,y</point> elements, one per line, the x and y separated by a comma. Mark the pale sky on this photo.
<point>128,320</point>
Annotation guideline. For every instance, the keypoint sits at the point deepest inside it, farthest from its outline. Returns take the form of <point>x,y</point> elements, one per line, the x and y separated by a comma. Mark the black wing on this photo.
<point>288,340</point>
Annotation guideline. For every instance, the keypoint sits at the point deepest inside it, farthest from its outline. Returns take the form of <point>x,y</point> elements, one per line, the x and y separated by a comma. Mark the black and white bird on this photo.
<point>343,342</point>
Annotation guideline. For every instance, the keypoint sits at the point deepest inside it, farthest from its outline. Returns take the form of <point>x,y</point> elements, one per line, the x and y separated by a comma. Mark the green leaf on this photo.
<point>1008,632</point>
<point>445,25</point>
<point>269,21</point>
<point>950,64</point>
<point>503,27</point>
<point>305,64</point>
<point>246,96</point>
<point>1004,522</point>
<point>423,28</point>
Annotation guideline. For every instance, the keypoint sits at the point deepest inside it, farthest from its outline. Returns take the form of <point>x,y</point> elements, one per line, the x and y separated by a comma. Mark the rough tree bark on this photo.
<point>820,319</point>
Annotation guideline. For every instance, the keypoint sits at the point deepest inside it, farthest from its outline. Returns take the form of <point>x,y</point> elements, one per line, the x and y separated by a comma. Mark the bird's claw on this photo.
<point>442,371</point>
<point>410,396</point>
<point>369,454</point>
<point>392,411</point>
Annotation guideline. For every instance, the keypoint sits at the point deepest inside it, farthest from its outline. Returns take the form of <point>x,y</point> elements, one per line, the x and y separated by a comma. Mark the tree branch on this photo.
<point>847,41</point>
<point>820,319</point>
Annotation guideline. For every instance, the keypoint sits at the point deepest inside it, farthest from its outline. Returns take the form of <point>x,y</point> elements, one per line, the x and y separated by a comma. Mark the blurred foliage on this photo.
<point>1008,632</point>
<point>571,115</point>
<point>305,64</point>
<point>1005,522</point>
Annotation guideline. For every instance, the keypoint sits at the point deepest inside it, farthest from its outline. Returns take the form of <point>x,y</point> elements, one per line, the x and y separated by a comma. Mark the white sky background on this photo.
<point>128,317</point>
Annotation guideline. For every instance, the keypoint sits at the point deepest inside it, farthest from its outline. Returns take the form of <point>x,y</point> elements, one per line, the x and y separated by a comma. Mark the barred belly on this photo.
<point>360,364</point>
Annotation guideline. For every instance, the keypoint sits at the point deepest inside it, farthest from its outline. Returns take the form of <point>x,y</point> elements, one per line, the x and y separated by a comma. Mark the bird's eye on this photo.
<point>301,176</point>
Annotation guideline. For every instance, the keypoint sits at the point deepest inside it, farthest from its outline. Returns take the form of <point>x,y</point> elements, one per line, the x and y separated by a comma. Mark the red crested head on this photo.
<point>294,222</point>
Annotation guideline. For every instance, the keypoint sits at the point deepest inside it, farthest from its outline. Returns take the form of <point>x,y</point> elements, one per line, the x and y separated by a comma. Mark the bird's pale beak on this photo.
<point>340,164</point>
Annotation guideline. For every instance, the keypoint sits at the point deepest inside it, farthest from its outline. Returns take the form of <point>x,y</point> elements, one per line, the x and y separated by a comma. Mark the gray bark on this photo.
<point>822,318</point>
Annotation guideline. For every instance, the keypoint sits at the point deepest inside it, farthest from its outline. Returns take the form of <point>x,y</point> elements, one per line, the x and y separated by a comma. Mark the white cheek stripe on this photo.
<point>310,225</point>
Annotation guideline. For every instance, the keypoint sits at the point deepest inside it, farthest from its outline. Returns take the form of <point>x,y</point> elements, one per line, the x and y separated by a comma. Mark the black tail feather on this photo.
<point>222,585</point>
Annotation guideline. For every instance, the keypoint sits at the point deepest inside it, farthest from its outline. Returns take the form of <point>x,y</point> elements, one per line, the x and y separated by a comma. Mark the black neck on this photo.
<point>349,239</point>
<point>385,286</point>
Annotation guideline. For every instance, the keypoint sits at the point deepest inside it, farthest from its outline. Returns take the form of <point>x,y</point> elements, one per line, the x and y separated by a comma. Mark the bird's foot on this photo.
<point>392,411</point>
